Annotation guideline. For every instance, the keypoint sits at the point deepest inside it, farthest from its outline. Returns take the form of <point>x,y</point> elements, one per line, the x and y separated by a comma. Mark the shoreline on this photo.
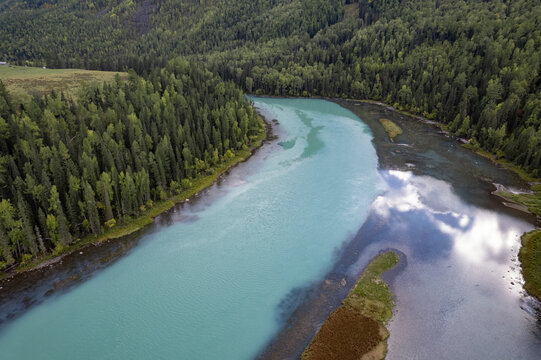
<point>136,225</point>
<point>529,256</point>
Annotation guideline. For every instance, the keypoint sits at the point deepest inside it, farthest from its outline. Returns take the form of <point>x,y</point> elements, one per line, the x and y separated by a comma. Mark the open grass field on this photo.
<point>23,81</point>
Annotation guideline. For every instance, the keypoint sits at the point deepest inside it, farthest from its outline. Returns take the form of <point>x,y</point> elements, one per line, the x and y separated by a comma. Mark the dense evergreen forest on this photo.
<point>473,65</point>
<point>68,168</point>
<point>142,34</point>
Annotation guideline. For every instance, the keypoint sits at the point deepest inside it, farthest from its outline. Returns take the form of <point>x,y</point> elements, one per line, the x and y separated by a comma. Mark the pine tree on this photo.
<point>91,208</point>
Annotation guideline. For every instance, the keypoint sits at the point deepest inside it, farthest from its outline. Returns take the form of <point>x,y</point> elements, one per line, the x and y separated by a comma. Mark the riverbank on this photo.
<point>502,162</point>
<point>137,224</point>
<point>261,216</point>
<point>530,202</point>
<point>357,328</point>
<point>530,260</point>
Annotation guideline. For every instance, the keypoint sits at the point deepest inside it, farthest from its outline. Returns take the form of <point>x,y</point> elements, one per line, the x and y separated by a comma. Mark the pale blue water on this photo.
<point>211,287</point>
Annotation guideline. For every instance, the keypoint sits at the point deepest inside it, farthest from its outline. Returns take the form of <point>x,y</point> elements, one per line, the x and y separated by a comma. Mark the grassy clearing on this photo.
<point>356,329</point>
<point>23,82</point>
<point>148,216</point>
<point>392,129</point>
<point>530,260</point>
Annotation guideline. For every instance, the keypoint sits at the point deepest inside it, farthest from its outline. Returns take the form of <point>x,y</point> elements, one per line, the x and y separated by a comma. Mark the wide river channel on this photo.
<point>239,271</point>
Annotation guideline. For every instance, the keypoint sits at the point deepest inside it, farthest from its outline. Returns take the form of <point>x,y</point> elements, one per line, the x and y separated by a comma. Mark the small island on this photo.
<point>392,129</point>
<point>357,328</point>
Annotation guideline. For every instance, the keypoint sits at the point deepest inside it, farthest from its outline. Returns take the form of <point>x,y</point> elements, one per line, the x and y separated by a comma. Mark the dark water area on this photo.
<point>439,214</point>
<point>424,150</point>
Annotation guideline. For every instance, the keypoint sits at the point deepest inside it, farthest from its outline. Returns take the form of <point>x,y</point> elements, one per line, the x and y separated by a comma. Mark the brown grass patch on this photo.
<point>345,335</point>
<point>356,329</point>
<point>351,11</point>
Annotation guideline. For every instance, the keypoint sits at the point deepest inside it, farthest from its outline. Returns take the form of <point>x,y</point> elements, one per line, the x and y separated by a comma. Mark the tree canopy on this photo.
<point>69,168</point>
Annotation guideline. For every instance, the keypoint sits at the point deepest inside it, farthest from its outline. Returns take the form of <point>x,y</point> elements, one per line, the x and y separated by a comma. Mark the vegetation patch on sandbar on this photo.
<point>392,129</point>
<point>530,259</point>
<point>531,201</point>
<point>357,328</point>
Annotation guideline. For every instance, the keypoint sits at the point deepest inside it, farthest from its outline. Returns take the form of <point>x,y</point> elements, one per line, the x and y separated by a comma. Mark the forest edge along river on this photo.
<point>412,164</point>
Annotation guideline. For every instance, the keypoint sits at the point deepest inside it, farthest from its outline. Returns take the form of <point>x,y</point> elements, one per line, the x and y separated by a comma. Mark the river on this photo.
<point>222,276</point>
<point>459,291</point>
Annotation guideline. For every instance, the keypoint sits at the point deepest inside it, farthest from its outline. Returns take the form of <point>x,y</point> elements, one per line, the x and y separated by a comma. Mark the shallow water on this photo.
<point>219,277</point>
<point>458,291</point>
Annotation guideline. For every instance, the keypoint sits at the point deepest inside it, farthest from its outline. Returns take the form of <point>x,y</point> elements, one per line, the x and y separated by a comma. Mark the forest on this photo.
<point>473,65</point>
<point>70,168</point>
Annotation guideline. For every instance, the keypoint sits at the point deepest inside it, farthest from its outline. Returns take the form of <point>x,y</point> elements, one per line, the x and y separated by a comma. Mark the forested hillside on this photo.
<point>142,34</point>
<point>68,169</point>
<point>473,65</point>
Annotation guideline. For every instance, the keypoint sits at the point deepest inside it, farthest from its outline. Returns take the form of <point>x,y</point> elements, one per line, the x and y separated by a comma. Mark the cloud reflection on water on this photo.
<point>424,207</point>
<point>460,295</point>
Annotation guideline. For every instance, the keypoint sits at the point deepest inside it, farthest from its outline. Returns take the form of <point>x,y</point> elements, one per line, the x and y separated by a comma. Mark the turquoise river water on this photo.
<point>253,265</point>
<point>210,286</point>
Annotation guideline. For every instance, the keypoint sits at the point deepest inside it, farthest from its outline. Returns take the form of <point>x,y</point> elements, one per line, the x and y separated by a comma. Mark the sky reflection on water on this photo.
<point>460,295</point>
